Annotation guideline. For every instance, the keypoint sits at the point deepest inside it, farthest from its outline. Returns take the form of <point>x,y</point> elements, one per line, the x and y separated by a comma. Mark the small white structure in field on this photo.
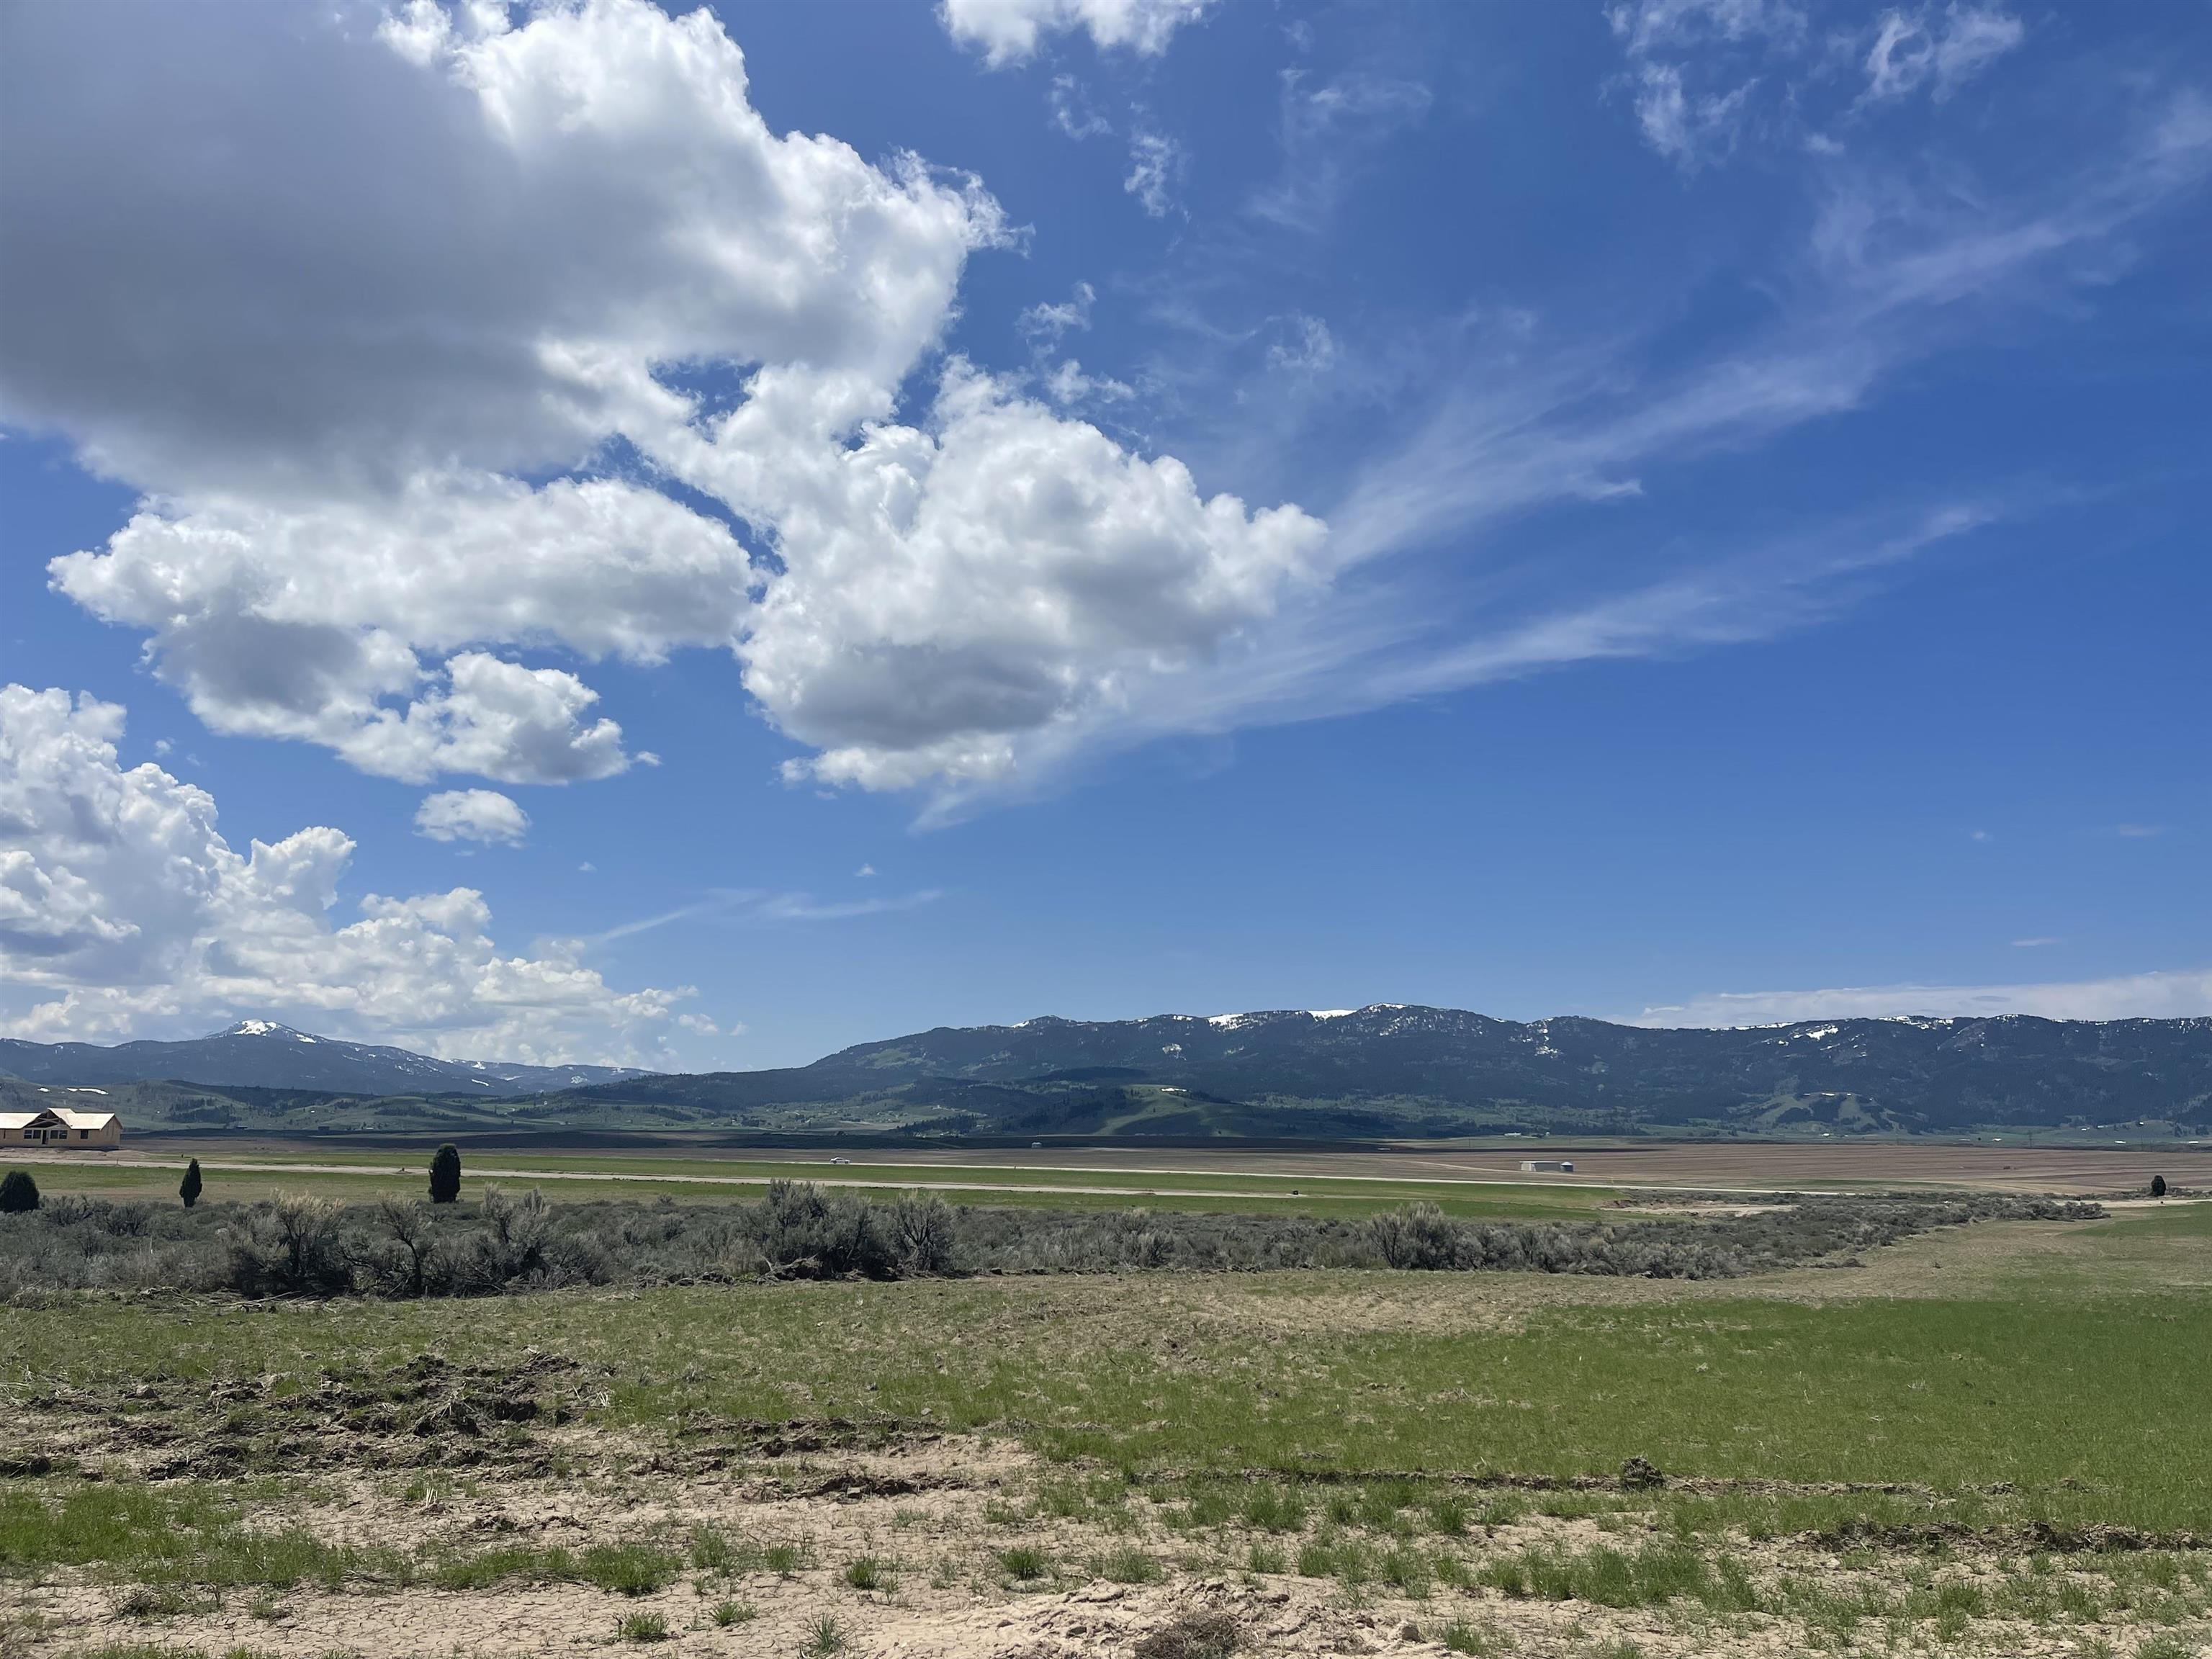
<point>1559,1165</point>
<point>60,1126</point>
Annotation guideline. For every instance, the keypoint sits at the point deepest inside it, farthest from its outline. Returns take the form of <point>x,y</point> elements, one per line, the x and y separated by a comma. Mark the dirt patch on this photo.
<point>1211,1634</point>
<point>967,1556</point>
<point>427,1413</point>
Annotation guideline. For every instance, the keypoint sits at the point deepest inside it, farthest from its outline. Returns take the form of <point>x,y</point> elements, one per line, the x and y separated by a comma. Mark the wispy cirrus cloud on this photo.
<point>1769,590</point>
<point>1330,130</point>
<point>758,904</point>
<point>803,907</point>
<point>1430,583</point>
<point>1009,31</point>
<point>2176,994</point>
<point>1362,645</point>
<point>1704,75</point>
<point>1157,160</point>
<point>1156,164</point>
<point>1889,276</point>
<point>1941,51</point>
<point>1073,113</point>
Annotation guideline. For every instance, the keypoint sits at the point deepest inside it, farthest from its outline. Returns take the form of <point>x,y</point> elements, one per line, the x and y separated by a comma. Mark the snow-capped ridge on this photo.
<point>1256,1017</point>
<point>263,1028</point>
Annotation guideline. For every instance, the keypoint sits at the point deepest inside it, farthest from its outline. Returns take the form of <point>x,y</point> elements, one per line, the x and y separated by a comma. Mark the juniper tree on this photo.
<point>445,1175</point>
<point>19,1193</point>
<point>188,1190</point>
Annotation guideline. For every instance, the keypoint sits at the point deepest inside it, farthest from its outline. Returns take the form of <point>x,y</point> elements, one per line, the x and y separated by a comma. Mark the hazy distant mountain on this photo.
<point>260,1054</point>
<point>1389,1068</point>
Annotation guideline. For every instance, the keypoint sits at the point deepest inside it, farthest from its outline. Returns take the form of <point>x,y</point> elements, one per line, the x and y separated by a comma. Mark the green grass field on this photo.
<point>2088,1403</point>
<point>1902,1459</point>
<point>571,1178</point>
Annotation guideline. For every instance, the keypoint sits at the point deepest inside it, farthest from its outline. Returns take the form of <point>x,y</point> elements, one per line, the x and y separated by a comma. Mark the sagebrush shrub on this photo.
<point>513,1241</point>
<point>411,1262</point>
<point>289,1246</point>
<point>1420,1235</point>
<point>925,1231</point>
<point>809,1234</point>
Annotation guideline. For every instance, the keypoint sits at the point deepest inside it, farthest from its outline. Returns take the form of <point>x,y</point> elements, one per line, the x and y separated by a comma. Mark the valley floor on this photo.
<point>1465,1178</point>
<point>1990,1440</point>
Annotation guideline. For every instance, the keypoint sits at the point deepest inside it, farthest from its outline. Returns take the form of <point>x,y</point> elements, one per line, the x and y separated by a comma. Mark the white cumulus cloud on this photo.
<point>570,354</point>
<point>484,815</point>
<point>124,911</point>
<point>310,619</point>
<point>957,591</point>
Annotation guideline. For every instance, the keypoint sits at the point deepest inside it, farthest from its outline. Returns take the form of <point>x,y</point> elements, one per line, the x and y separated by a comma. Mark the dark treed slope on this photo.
<point>1390,1067</point>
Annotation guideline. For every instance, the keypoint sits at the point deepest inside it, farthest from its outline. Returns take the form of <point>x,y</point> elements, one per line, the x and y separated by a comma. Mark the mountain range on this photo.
<point>1383,1070</point>
<point>261,1054</point>
<point>1390,1068</point>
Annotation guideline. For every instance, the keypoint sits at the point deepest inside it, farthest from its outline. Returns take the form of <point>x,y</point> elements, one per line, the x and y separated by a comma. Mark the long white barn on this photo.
<point>61,1126</point>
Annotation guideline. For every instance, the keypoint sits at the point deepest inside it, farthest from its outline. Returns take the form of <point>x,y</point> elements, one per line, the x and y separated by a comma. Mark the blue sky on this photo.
<point>589,532</point>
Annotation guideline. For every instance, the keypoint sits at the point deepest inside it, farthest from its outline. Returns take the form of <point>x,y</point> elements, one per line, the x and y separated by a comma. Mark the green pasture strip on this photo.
<point>744,1183</point>
<point>1563,1195</point>
<point>1955,1396</point>
<point>160,1186</point>
<point>1562,1199</point>
<point>2167,1247</point>
<point>2173,1220</point>
<point>2087,1409</point>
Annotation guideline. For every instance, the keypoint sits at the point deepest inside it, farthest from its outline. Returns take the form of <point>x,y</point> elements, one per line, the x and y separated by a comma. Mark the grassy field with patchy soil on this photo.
<point>1991,1438</point>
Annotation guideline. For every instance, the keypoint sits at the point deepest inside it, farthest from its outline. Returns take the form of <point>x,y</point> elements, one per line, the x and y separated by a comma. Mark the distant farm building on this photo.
<point>60,1125</point>
<point>1555,1165</point>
